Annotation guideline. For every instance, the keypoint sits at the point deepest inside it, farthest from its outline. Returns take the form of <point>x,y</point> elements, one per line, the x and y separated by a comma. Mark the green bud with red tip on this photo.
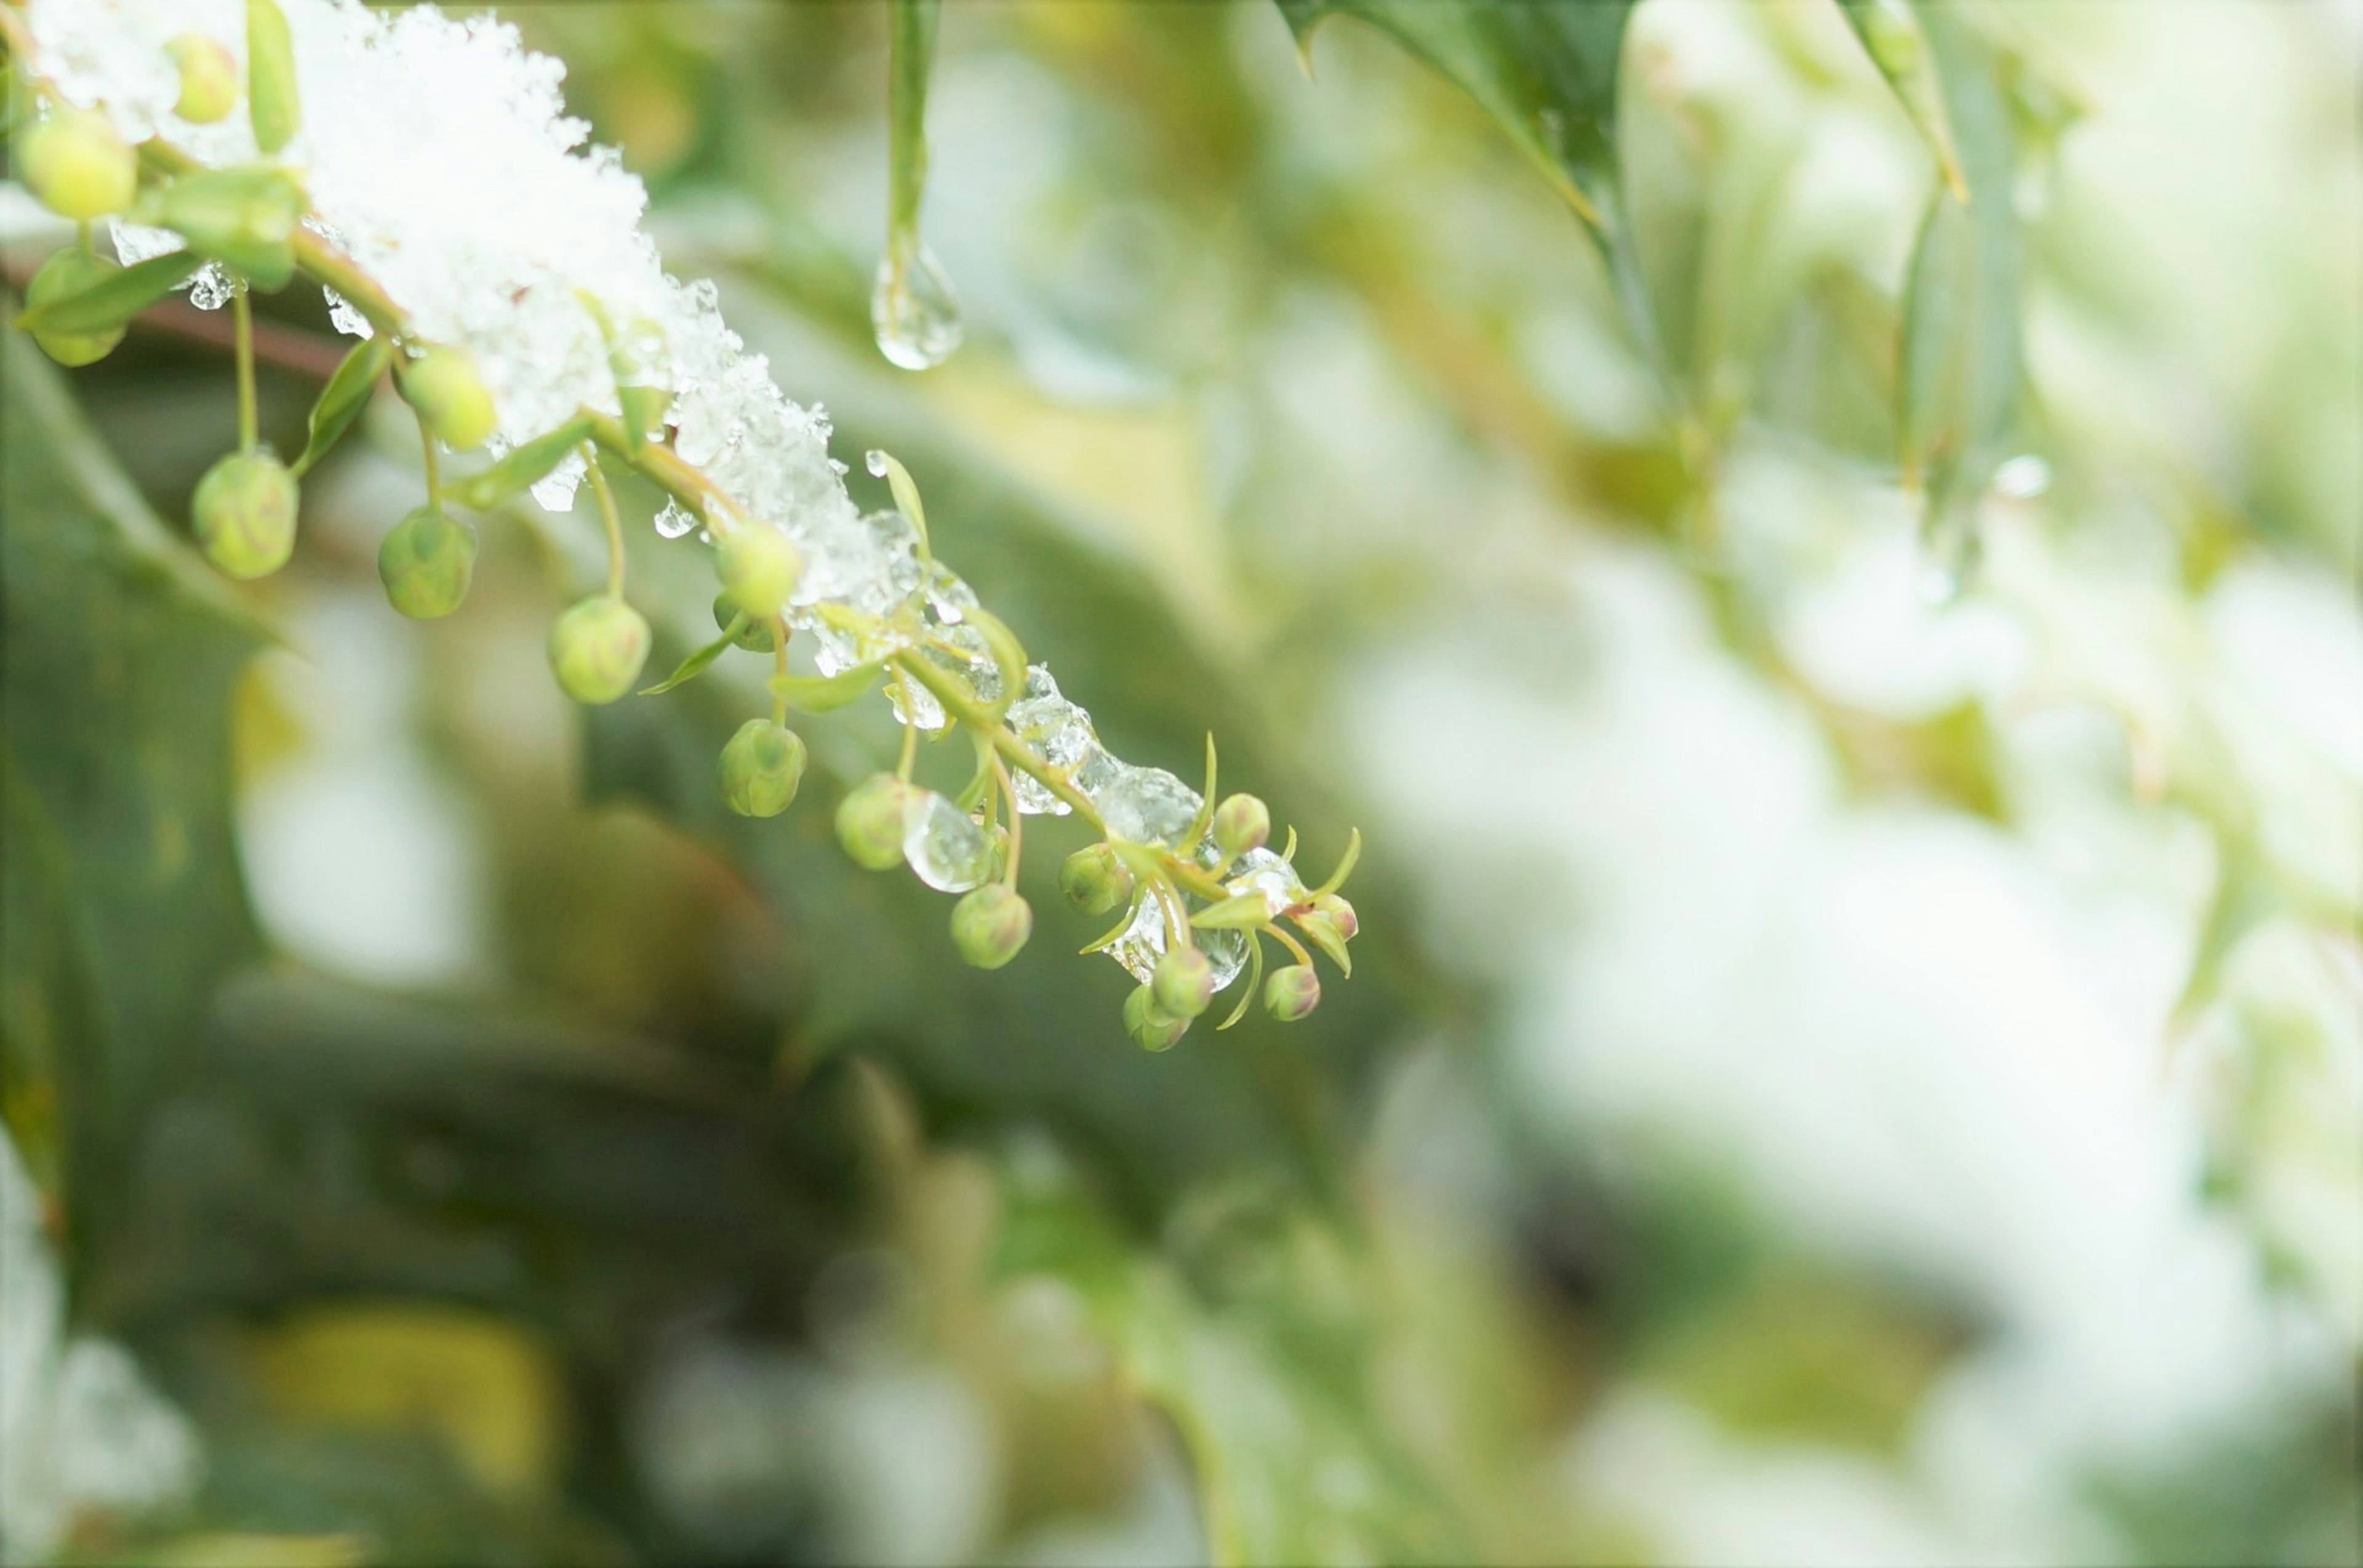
<point>1291,993</point>
<point>870,821</point>
<point>443,386</point>
<point>1184,982</point>
<point>1338,913</point>
<point>596,650</point>
<point>208,78</point>
<point>426,561</point>
<point>72,161</point>
<point>991,925</point>
<point>1095,880</point>
<point>63,276</point>
<point>1241,823</point>
<point>762,767</point>
<point>244,514</point>
<point>1150,1026</point>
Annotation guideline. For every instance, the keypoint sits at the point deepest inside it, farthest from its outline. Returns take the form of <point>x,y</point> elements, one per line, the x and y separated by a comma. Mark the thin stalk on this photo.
<point>615,524</point>
<point>249,432</point>
<point>434,465</point>
<point>1016,821</point>
<point>1290,943</point>
<point>779,668</point>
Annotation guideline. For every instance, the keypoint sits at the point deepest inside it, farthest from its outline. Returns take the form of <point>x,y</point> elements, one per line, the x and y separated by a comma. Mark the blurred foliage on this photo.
<point>648,1184</point>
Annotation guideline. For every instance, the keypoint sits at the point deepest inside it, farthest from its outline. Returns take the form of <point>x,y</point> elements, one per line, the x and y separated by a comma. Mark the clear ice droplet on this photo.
<point>944,845</point>
<point>675,520</point>
<point>915,312</point>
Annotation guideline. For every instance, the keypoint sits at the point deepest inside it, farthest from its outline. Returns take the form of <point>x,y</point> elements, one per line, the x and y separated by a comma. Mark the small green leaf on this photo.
<point>1248,992</point>
<point>1240,912</point>
<point>341,401</point>
<point>1008,654</point>
<point>1346,862</point>
<point>518,471</point>
<point>825,693</point>
<point>271,76</point>
<point>1131,913</point>
<point>907,493</point>
<point>694,665</point>
<point>1323,935</point>
<point>113,299</point>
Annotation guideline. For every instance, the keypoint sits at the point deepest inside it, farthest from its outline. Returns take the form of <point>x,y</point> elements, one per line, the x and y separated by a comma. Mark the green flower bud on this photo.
<point>870,821</point>
<point>1241,823</point>
<point>425,561</point>
<point>442,385</point>
<point>596,648</point>
<point>762,767</point>
<point>271,96</point>
<point>67,273</point>
<point>758,566</point>
<point>1150,1027</point>
<point>208,78</point>
<point>244,512</point>
<point>1094,880</point>
<point>1340,914</point>
<point>247,218</point>
<point>755,634</point>
<point>991,924</point>
<point>76,164</point>
<point>1291,993</point>
<point>1183,982</point>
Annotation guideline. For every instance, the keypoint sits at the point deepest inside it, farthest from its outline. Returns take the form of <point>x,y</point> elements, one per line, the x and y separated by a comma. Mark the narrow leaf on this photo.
<point>518,471</point>
<point>1255,980</point>
<point>1345,861</point>
<point>1240,912</point>
<point>694,665</point>
<point>824,694</point>
<point>113,299</point>
<point>1961,370</point>
<point>341,401</point>
<point>1008,654</point>
<point>1897,46</point>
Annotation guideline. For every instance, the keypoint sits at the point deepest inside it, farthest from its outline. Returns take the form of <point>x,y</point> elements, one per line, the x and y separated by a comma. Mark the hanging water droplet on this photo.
<point>945,846</point>
<point>674,520</point>
<point>876,462</point>
<point>915,312</point>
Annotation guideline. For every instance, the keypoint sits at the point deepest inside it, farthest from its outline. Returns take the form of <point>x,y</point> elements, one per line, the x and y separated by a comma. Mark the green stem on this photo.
<point>911,53</point>
<point>964,706</point>
<point>249,422</point>
<point>434,465</point>
<point>1290,943</point>
<point>779,668</point>
<point>614,523</point>
<point>1016,821</point>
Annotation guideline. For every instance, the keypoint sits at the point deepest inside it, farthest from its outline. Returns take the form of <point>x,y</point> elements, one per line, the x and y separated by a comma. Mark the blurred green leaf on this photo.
<point>1546,73</point>
<point>122,886</point>
<point>1958,392</point>
<point>1245,1330</point>
<point>1898,47</point>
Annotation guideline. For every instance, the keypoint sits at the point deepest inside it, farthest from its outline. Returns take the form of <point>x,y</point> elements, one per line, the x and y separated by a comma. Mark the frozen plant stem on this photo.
<point>608,518</point>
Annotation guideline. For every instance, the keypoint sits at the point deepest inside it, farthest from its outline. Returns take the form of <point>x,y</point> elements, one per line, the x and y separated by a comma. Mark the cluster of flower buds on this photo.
<point>1198,888</point>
